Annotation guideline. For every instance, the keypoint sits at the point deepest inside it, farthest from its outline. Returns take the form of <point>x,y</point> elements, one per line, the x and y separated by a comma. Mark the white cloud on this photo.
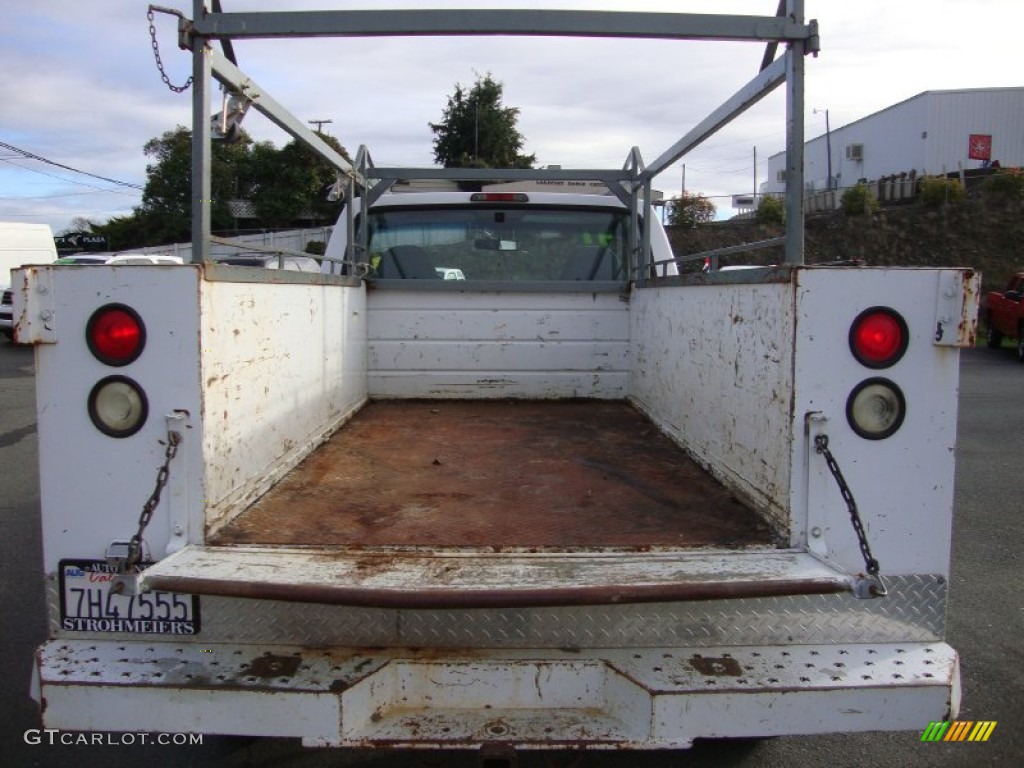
<point>81,87</point>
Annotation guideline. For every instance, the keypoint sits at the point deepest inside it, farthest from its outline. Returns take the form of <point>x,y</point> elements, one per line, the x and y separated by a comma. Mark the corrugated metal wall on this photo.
<point>953,116</point>
<point>927,133</point>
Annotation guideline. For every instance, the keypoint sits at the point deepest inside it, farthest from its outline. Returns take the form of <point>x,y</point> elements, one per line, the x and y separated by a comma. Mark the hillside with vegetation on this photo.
<point>976,233</point>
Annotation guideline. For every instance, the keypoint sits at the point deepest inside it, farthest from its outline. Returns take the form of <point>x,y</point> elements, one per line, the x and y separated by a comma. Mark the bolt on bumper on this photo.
<point>624,698</point>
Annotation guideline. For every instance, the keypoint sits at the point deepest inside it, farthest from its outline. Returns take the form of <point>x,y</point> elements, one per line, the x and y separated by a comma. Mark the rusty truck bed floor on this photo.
<point>509,474</point>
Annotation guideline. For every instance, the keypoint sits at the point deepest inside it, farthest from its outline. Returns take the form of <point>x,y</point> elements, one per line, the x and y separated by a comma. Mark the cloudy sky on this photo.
<point>80,88</point>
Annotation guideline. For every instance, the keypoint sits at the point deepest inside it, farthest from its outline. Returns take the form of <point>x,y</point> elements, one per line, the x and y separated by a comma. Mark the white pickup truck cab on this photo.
<point>496,237</point>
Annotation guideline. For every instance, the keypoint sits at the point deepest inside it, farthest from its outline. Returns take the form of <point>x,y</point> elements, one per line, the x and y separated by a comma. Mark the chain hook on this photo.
<point>870,585</point>
<point>156,47</point>
<point>162,475</point>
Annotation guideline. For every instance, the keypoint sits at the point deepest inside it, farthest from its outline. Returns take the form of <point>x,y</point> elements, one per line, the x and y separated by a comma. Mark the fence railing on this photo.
<point>893,189</point>
<point>292,240</point>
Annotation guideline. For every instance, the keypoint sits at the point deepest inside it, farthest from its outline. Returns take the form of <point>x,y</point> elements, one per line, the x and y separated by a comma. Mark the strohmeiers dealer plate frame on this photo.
<point>88,605</point>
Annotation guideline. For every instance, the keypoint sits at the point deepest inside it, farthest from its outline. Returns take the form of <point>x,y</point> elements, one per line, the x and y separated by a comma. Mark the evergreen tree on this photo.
<point>476,131</point>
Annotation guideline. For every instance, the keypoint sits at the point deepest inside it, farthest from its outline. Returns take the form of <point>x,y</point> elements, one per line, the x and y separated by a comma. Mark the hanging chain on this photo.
<point>135,545</point>
<point>156,48</point>
<point>877,586</point>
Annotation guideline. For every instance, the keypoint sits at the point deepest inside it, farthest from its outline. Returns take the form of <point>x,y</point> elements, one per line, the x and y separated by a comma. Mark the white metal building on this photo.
<point>931,133</point>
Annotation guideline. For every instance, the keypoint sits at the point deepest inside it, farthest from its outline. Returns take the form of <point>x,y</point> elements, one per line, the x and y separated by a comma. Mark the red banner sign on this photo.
<point>980,146</point>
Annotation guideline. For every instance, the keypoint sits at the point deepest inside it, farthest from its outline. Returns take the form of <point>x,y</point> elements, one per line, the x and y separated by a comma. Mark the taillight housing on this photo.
<point>879,337</point>
<point>499,197</point>
<point>118,406</point>
<point>115,334</point>
<point>876,408</point>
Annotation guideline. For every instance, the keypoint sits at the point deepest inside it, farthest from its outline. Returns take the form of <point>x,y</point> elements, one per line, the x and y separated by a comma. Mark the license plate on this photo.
<point>87,604</point>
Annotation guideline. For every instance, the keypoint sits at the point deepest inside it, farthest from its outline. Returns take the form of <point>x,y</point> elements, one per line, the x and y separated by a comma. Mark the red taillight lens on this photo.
<point>879,337</point>
<point>115,334</point>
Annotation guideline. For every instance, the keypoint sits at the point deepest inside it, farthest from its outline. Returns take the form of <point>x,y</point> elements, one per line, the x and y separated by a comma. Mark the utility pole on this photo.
<point>319,124</point>
<point>682,190</point>
<point>755,177</point>
<point>828,146</point>
<point>476,130</point>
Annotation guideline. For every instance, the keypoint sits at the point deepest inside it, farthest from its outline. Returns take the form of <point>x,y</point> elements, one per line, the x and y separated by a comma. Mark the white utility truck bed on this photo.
<point>508,473</point>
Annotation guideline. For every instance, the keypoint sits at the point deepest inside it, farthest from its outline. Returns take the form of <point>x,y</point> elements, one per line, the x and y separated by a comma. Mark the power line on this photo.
<point>33,156</point>
<point>58,214</point>
<point>69,181</point>
<point>5,198</point>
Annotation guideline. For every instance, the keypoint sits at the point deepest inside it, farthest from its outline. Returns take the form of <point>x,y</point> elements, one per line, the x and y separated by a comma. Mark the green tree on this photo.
<point>286,184</point>
<point>123,232</point>
<point>771,210</point>
<point>1004,186</point>
<point>940,190</point>
<point>166,209</point>
<point>477,131</point>
<point>291,183</point>
<point>77,224</point>
<point>858,200</point>
<point>688,210</point>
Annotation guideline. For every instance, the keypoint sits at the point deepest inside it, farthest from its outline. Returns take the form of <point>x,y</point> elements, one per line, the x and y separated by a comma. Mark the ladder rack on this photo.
<point>631,184</point>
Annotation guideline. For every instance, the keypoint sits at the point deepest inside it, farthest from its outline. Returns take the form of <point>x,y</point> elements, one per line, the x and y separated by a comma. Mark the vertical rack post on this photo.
<point>795,139</point>
<point>645,244</point>
<point>201,184</point>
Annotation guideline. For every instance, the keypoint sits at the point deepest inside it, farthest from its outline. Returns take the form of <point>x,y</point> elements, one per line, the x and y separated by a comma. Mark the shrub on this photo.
<point>1005,186</point>
<point>689,210</point>
<point>939,190</point>
<point>858,200</point>
<point>771,210</point>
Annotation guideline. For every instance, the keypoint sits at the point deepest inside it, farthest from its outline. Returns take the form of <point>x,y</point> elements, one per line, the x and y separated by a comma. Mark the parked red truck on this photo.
<point>1005,314</point>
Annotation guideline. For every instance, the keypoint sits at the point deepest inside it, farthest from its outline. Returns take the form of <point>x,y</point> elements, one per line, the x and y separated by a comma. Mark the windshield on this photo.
<point>80,260</point>
<point>498,243</point>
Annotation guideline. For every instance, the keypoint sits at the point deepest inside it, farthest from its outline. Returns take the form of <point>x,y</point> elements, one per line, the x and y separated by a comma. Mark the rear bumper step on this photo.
<point>461,579</point>
<point>642,698</point>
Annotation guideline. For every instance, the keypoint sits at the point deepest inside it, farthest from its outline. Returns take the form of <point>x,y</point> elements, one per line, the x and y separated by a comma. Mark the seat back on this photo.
<point>590,262</point>
<point>406,262</point>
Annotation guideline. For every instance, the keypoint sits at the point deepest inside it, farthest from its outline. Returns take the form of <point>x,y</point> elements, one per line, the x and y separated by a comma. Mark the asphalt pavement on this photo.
<point>985,620</point>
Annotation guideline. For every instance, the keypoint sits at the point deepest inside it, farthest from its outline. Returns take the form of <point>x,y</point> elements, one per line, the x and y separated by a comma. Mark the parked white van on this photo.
<point>20,244</point>
<point>126,257</point>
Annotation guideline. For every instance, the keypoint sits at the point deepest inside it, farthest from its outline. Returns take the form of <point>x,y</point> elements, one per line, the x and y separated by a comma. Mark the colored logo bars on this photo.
<point>959,730</point>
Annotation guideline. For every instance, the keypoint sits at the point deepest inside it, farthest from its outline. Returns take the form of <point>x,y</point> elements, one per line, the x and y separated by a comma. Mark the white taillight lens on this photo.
<point>118,406</point>
<point>879,337</point>
<point>115,334</point>
<point>875,409</point>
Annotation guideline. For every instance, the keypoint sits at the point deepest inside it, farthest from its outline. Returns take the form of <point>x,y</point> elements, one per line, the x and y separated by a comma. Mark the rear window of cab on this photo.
<point>497,243</point>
